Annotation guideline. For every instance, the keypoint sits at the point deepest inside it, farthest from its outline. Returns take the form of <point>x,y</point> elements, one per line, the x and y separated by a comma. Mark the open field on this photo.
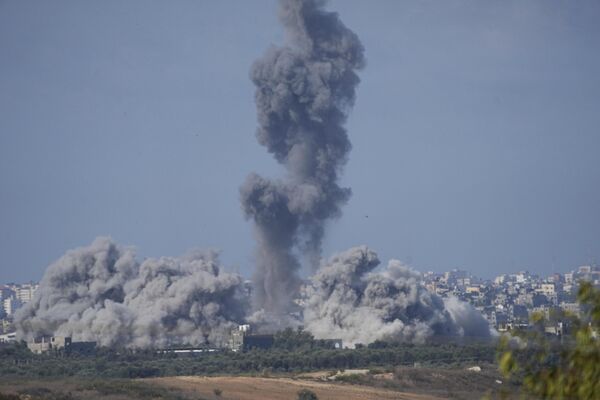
<point>256,388</point>
<point>402,384</point>
<point>197,388</point>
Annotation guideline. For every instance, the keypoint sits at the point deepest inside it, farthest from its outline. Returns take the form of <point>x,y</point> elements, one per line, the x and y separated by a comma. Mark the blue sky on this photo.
<point>475,133</point>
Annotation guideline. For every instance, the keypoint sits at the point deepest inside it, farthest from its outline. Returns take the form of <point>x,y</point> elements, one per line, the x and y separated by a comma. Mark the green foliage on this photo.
<point>306,394</point>
<point>14,350</point>
<point>82,388</point>
<point>553,369</point>
<point>298,340</point>
<point>292,354</point>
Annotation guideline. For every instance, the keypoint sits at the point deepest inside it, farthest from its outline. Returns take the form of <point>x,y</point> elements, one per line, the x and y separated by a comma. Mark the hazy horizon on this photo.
<point>475,131</point>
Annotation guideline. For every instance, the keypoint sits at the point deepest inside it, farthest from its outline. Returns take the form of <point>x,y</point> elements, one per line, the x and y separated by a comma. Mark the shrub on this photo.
<point>306,394</point>
<point>558,370</point>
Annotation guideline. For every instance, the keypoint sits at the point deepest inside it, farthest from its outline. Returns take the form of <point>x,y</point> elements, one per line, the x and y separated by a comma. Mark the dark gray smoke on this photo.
<point>347,300</point>
<point>101,293</point>
<point>303,92</point>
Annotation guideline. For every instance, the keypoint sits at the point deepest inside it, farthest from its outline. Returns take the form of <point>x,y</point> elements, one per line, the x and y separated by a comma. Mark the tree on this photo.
<point>558,369</point>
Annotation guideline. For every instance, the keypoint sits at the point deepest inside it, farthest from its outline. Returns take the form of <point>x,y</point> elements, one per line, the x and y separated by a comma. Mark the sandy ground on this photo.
<point>252,388</point>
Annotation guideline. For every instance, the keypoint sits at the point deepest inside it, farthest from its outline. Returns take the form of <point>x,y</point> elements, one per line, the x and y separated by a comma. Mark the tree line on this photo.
<point>292,352</point>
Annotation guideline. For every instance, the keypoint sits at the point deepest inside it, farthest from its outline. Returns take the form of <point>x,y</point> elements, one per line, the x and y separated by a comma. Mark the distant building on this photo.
<point>456,277</point>
<point>11,305</point>
<point>6,292</point>
<point>45,344</point>
<point>521,276</point>
<point>568,288</point>
<point>236,337</point>
<point>557,329</point>
<point>585,269</point>
<point>258,342</point>
<point>547,289</point>
<point>6,326</point>
<point>473,289</point>
<point>520,313</point>
<point>25,292</point>
<point>242,338</point>
<point>8,337</point>
<point>569,277</point>
<point>556,278</point>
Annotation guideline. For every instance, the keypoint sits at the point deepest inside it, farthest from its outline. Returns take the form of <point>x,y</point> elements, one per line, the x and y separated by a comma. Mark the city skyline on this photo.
<point>507,301</point>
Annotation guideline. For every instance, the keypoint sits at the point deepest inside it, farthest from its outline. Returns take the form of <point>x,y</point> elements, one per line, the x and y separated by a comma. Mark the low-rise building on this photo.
<point>8,337</point>
<point>547,289</point>
<point>45,344</point>
<point>242,338</point>
<point>475,289</point>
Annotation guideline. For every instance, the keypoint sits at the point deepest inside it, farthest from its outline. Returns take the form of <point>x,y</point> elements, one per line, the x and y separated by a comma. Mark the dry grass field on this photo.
<point>403,383</point>
<point>194,388</point>
<point>255,388</point>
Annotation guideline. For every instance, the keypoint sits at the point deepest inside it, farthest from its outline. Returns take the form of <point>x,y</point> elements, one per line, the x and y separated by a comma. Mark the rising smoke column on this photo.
<point>101,293</point>
<point>347,300</point>
<point>303,92</point>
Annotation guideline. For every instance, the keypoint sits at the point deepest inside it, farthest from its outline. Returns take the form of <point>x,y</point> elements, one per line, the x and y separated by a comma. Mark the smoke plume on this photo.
<point>303,93</point>
<point>347,300</point>
<point>101,293</point>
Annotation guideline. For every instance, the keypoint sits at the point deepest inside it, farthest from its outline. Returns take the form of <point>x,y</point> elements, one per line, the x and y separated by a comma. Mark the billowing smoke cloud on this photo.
<point>101,293</point>
<point>347,300</point>
<point>303,93</point>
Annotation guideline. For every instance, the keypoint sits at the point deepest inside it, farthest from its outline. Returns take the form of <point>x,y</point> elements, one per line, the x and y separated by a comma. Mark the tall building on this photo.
<point>11,305</point>
<point>25,292</point>
<point>6,292</point>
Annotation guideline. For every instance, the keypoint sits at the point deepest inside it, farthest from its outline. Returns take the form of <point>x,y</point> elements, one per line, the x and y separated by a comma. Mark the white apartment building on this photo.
<point>25,292</point>
<point>548,289</point>
<point>11,305</point>
<point>569,277</point>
